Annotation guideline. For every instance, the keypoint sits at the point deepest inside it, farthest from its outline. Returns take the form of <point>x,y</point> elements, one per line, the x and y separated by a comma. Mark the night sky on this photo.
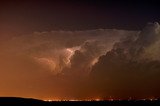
<point>77,15</point>
<point>80,49</point>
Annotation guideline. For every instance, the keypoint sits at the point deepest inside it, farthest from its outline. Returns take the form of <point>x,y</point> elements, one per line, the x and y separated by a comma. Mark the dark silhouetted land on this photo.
<point>16,101</point>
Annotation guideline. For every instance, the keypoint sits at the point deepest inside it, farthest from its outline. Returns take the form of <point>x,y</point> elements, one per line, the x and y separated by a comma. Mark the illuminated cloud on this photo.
<point>52,61</point>
<point>107,62</point>
<point>57,49</point>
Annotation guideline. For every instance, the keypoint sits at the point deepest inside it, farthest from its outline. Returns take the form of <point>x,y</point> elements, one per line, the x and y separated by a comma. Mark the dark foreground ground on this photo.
<point>14,101</point>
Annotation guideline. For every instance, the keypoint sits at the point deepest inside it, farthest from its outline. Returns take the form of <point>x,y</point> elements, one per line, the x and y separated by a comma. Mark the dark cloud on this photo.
<point>128,70</point>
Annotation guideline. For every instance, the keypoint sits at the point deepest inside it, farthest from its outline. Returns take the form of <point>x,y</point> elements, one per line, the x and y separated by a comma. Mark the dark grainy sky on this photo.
<point>38,15</point>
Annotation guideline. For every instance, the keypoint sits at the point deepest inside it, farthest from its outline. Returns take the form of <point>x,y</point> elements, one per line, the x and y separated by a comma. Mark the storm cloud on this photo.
<point>107,62</point>
<point>131,68</point>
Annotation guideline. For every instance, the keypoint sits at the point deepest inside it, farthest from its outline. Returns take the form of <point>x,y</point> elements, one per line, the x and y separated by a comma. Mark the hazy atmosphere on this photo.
<point>79,50</point>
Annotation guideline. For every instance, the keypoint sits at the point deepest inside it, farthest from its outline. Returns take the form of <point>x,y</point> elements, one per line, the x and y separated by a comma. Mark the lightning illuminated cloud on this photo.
<point>107,62</point>
<point>57,49</point>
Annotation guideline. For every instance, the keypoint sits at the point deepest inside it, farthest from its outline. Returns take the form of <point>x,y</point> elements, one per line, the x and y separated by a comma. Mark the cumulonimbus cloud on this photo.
<point>56,49</point>
<point>131,68</point>
<point>52,60</point>
<point>107,62</point>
